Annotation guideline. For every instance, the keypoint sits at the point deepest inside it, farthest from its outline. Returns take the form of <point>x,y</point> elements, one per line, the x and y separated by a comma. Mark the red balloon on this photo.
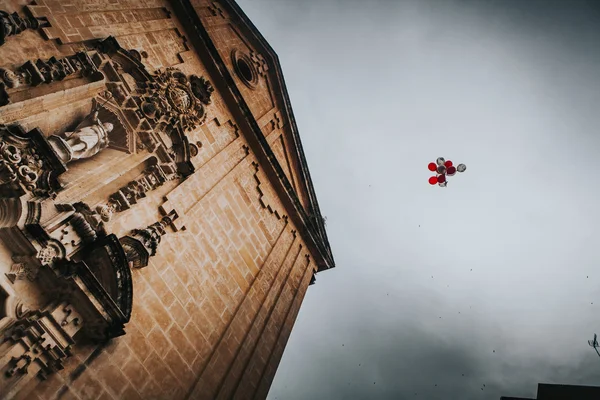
<point>433,180</point>
<point>441,179</point>
<point>451,170</point>
<point>432,166</point>
<point>448,164</point>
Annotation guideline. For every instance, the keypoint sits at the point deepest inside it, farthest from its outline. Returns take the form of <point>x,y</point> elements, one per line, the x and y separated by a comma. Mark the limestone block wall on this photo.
<point>213,309</point>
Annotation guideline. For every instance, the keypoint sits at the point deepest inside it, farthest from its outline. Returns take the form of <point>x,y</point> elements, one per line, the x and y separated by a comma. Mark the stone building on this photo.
<point>158,225</point>
<point>548,391</point>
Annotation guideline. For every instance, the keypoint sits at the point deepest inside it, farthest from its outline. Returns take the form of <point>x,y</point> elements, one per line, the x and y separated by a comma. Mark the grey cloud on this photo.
<point>379,89</point>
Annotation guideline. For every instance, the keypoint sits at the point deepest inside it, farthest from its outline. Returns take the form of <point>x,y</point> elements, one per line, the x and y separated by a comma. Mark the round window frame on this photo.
<point>238,57</point>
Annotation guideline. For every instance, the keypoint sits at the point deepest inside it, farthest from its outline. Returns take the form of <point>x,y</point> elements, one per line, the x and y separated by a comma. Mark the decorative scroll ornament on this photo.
<point>22,165</point>
<point>176,100</point>
<point>27,163</point>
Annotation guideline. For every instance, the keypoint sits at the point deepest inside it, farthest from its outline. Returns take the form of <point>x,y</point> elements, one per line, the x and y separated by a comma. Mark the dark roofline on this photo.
<point>311,228</point>
<point>516,398</point>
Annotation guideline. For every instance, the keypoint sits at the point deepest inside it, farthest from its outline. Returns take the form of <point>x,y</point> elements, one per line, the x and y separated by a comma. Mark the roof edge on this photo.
<point>312,227</point>
<point>316,211</point>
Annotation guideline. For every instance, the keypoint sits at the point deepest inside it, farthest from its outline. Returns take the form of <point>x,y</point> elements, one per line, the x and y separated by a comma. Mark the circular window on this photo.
<point>244,69</point>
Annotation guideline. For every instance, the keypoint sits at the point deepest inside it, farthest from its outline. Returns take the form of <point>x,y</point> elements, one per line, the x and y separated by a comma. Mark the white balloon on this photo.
<point>443,184</point>
<point>461,168</point>
<point>440,161</point>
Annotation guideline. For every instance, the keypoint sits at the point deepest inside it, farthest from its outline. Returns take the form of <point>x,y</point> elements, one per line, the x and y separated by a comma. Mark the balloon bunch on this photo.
<point>443,169</point>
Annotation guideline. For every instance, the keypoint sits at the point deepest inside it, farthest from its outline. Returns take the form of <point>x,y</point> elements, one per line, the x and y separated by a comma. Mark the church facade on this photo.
<point>158,224</point>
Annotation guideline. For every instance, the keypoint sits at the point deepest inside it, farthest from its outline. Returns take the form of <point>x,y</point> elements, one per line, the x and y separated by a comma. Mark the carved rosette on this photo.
<point>176,99</point>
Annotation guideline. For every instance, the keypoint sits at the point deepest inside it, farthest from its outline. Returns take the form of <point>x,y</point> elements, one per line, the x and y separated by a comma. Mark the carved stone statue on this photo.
<point>89,138</point>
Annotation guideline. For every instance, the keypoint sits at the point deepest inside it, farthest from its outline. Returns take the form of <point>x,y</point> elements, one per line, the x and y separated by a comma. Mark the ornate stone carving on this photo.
<point>201,88</point>
<point>152,178</point>
<point>175,100</point>
<point>141,244</point>
<point>41,340</point>
<point>45,71</point>
<point>22,270</point>
<point>27,163</point>
<point>51,252</point>
<point>92,219</point>
<point>13,24</point>
<point>11,79</point>
<point>159,108</point>
<point>75,227</point>
<point>89,138</point>
<point>87,223</point>
<point>102,272</point>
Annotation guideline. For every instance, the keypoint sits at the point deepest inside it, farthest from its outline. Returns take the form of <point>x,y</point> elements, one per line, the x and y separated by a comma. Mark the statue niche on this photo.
<point>88,139</point>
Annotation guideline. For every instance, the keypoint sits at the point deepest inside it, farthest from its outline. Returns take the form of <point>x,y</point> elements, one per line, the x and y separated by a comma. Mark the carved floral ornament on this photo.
<point>177,99</point>
<point>27,163</point>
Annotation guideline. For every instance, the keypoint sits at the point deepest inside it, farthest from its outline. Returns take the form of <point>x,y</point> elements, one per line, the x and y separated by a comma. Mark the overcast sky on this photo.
<point>493,280</point>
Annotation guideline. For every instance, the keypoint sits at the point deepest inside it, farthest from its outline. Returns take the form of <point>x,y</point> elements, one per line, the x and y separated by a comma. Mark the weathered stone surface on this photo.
<point>164,255</point>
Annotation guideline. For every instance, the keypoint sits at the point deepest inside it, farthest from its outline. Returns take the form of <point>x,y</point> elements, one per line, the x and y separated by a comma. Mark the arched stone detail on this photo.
<point>137,254</point>
<point>105,268</point>
<point>11,210</point>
